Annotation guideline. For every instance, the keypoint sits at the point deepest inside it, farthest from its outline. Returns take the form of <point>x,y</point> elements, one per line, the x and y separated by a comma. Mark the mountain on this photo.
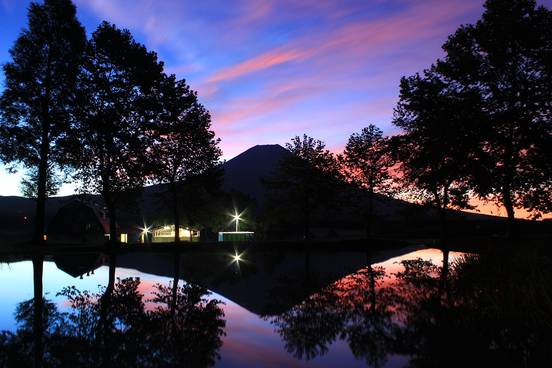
<point>244,173</point>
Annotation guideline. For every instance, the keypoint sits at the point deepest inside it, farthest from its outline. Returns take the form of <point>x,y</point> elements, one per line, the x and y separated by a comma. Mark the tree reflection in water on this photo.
<point>117,327</point>
<point>494,309</point>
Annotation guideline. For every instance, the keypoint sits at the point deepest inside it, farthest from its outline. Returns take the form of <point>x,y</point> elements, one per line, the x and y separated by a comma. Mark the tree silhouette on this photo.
<point>29,184</point>
<point>309,328</point>
<point>488,305</point>
<point>116,113</point>
<point>504,58</point>
<point>188,327</point>
<point>436,150</point>
<point>369,316</point>
<point>114,327</point>
<point>37,102</point>
<point>184,147</point>
<point>305,180</point>
<point>367,162</point>
<point>353,309</point>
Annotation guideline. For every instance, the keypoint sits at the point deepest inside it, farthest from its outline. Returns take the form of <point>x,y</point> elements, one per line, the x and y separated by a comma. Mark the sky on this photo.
<point>268,70</point>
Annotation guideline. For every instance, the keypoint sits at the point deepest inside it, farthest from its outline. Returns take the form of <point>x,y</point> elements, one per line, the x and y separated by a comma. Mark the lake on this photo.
<point>266,308</point>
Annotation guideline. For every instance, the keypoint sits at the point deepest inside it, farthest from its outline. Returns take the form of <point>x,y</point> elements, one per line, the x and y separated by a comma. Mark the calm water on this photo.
<point>265,309</point>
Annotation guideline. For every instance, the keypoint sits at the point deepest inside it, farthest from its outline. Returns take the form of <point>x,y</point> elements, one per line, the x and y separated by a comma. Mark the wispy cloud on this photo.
<point>269,68</point>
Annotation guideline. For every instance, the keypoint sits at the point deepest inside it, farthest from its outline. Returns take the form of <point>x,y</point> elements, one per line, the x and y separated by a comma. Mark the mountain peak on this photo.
<point>244,172</point>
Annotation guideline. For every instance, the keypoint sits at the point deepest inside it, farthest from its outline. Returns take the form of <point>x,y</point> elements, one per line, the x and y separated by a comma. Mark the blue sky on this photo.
<point>272,69</point>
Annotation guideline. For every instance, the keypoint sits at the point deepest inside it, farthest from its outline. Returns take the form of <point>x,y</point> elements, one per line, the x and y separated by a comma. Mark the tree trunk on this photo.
<point>38,306</point>
<point>444,273</point>
<point>105,321</point>
<point>38,236</point>
<point>370,215</point>
<point>306,218</point>
<point>444,224</point>
<point>508,204</point>
<point>112,269</point>
<point>442,206</point>
<point>176,213</point>
<point>372,288</point>
<point>112,212</point>
<point>176,278</point>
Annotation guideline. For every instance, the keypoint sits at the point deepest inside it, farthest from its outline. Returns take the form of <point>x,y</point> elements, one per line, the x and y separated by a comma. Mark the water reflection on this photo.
<point>486,310</point>
<point>116,327</point>
<point>444,309</point>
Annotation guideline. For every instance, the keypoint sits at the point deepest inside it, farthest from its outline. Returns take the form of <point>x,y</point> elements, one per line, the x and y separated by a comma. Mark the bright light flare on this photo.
<point>144,233</point>
<point>236,217</point>
<point>237,257</point>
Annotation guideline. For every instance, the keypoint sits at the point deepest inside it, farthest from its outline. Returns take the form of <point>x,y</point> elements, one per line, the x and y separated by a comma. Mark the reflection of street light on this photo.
<point>237,218</point>
<point>237,257</point>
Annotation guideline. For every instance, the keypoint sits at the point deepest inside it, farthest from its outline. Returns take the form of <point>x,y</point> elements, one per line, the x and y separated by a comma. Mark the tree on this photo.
<point>436,151</point>
<point>366,163</point>
<point>37,102</point>
<point>116,113</point>
<point>506,59</point>
<point>185,149</point>
<point>29,184</point>
<point>306,179</point>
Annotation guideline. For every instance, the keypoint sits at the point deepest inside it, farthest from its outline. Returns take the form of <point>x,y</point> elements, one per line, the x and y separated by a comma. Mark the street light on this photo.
<point>237,218</point>
<point>145,231</point>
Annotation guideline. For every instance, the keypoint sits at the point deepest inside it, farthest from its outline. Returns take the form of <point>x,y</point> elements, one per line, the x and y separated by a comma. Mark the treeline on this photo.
<point>476,124</point>
<point>101,110</point>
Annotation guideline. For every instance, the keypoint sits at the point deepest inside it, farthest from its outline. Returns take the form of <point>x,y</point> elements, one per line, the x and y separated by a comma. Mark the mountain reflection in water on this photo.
<point>426,308</point>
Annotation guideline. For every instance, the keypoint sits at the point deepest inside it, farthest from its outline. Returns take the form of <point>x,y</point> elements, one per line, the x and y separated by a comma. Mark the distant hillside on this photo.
<point>244,173</point>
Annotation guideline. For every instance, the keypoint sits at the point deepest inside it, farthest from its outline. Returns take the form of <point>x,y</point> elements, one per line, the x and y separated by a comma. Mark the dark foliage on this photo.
<point>494,308</point>
<point>117,107</point>
<point>505,59</point>
<point>37,104</point>
<point>114,328</point>
<point>305,181</point>
<point>366,163</point>
<point>184,153</point>
<point>436,152</point>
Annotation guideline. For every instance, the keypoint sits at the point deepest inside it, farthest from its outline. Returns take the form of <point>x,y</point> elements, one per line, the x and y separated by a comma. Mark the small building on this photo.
<point>239,236</point>
<point>78,222</point>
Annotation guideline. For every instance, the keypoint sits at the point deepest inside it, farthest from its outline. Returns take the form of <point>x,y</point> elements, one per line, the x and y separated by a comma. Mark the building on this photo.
<point>165,234</point>
<point>77,222</point>
<point>235,236</point>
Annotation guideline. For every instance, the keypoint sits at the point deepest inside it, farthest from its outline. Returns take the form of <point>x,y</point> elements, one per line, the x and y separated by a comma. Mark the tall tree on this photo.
<point>506,58</point>
<point>116,114</point>
<point>366,162</point>
<point>185,148</point>
<point>306,180</point>
<point>436,150</point>
<point>36,104</point>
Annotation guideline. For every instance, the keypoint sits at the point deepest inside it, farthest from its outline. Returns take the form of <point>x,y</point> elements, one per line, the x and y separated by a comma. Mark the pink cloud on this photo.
<point>363,38</point>
<point>260,62</point>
